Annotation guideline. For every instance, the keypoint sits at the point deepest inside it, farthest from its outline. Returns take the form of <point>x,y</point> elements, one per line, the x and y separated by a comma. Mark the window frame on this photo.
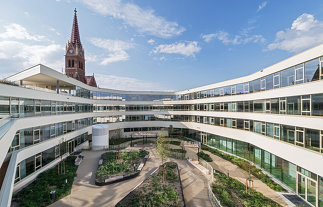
<point>38,156</point>
<point>35,141</point>
<point>297,81</point>
<point>310,108</point>
<point>282,100</point>
<point>221,91</point>
<point>263,86</point>
<point>233,90</point>
<point>19,173</point>
<point>246,85</point>
<point>298,130</point>
<point>276,126</point>
<point>221,121</point>
<point>276,85</point>
<point>244,125</point>
<point>235,123</point>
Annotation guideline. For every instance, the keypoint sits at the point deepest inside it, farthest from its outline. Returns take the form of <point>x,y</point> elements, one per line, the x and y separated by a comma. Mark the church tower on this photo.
<point>74,54</point>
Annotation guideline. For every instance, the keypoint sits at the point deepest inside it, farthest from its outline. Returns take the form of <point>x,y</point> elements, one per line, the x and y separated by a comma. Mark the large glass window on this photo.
<point>294,105</point>
<point>306,105</point>
<point>276,80</point>
<point>287,77</point>
<point>312,72</point>
<point>259,106</point>
<point>269,82</point>
<point>312,139</point>
<point>274,105</point>
<point>4,105</point>
<point>270,129</point>
<point>288,133</point>
<point>256,85</point>
<point>317,105</point>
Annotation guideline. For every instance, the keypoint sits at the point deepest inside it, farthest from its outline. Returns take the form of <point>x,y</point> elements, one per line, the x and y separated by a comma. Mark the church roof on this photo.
<point>75,36</point>
<point>90,80</point>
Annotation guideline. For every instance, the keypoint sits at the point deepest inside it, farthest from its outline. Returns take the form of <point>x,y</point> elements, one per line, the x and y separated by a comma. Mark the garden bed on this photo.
<point>38,193</point>
<point>156,192</point>
<point>232,193</point>
<point>118,166</point>
<point>245,165</point>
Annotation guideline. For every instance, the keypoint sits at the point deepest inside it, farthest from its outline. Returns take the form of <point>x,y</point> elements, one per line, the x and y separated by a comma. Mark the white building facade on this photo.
<point>271,118</point>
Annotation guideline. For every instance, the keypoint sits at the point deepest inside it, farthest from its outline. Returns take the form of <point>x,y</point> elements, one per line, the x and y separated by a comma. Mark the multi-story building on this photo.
<point>271,118</point>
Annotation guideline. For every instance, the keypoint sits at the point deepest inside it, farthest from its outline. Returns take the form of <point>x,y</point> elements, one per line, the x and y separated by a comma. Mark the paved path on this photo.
<point>241,175</point>
<point>85,193</point>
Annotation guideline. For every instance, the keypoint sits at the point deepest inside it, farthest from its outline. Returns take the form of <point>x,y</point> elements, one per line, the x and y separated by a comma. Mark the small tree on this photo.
<point>162,150</point>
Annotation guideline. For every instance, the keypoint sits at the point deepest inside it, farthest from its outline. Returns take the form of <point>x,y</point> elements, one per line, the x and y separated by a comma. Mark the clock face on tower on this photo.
<point>70,51</point>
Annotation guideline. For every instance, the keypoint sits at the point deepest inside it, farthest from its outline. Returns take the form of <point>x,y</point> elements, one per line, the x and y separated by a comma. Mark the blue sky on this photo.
<point>159,44</point>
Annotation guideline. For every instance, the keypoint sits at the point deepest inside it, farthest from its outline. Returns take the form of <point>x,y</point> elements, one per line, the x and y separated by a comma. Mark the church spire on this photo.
<point>75,36</point>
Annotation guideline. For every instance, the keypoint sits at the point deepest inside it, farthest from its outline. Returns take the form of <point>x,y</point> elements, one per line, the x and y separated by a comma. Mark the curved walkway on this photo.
<point>85,193</point>
<point>241,175</point>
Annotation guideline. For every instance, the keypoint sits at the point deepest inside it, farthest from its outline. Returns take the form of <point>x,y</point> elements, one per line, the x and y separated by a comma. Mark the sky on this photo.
<point>159,44</point>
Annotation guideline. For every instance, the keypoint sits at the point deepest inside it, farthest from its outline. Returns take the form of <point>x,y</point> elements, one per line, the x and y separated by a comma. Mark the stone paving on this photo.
<point>86,193</point>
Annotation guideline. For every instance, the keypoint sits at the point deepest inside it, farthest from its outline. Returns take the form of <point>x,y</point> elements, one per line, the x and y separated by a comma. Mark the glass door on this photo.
<point>71,146</point>
<point>306,188</point>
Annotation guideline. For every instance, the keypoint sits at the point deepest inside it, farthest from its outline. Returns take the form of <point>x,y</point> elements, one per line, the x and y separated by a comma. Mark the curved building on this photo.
<point>272,118</point>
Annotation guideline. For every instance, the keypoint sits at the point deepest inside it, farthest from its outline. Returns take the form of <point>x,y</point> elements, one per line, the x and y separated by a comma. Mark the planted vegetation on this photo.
<point>245,165</point>
<point>204,156</point>
<point>163,188</point>
<point>232,193</point>
<point>119,163</point>
<point>37,194</point>
<point>120,140</point>
<point>177,143</point>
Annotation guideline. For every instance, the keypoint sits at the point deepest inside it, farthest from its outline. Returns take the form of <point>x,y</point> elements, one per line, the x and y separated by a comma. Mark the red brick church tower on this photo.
<point>74,57</point>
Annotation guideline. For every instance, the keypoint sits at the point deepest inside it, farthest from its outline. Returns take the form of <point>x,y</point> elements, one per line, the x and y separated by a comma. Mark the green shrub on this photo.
<point>204,156</point>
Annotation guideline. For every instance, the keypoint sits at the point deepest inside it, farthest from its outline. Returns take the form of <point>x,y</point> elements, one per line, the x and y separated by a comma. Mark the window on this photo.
<point>277,131</point>
<point>276,80</point>
<point>221,92</point>
<point>263,128</point>
<point>16,142</point>
<point>306,105</point>
<point>36,135</point>
<point>52,130</point>
<point>57,151</point>
<point>221,121</point>
<point>233,90</point>
<point>269,82</point>
<point>317,105</point>
<point>18,176</point>
<point>246,106</point>
<point>300,136</point>
<point>247,125</point>
<point>263,84</point>
<point>211,120</point>
<point>72,63</point>
<point>221,106</point>
<point>282,105</point>
<point>312,70</point>
<point>246,88</point>
<point>268,109</point>
<point>299,74</point>
<point>64,128</point>
<point>212,107</point>
<point>198,95</point>
<point>234,123</point>
<point>38,161</point>
<point>274,105</point>
<point>287,77</point>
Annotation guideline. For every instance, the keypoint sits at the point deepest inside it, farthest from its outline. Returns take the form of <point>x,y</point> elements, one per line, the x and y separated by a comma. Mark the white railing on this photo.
<point>214,201</point>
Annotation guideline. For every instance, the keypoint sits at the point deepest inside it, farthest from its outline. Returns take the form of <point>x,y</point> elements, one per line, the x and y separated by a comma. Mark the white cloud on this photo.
<point>125,83</point>
<point>305,32</point>
<point>16,31</point>
<point>18,45</point>
<point>188,48</point>
<point>145,21</point>
<point>116,49</point>
<point>261,6</point>
<point>52,29</point>
<point>225,38</point>
<point>151,41</point>
<point>31,54</point>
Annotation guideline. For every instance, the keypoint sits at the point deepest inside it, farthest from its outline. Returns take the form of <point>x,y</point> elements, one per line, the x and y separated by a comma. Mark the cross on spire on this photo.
<point>75,36</point>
